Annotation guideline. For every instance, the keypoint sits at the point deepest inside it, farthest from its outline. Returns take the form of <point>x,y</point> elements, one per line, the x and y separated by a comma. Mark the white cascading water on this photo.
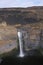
<point>20,44</point>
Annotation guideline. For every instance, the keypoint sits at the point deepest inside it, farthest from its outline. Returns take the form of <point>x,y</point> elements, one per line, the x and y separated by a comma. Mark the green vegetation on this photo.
<point>8,53</point>
<point>14,51</point>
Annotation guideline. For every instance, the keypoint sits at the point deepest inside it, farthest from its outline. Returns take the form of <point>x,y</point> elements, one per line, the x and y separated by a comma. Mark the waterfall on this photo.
<point>20,44</point>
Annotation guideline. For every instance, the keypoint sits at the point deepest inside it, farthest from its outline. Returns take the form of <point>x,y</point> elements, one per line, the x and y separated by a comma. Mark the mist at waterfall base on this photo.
<point>21,57</point>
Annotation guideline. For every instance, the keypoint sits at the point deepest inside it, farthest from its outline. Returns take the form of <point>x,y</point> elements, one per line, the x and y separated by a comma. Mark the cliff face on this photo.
<point>21,15</point>
<point>28,19</point>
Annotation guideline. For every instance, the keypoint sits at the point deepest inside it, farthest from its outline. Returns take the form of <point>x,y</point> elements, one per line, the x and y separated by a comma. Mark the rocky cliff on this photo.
<point>29,20</point>
<point>21,15</point>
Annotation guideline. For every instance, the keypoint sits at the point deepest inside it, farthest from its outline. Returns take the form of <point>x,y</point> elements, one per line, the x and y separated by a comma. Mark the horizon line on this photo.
<point>20,7</point>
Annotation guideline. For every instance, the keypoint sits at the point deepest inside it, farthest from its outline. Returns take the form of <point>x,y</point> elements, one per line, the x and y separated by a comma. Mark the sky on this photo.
<point>20,3</point>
